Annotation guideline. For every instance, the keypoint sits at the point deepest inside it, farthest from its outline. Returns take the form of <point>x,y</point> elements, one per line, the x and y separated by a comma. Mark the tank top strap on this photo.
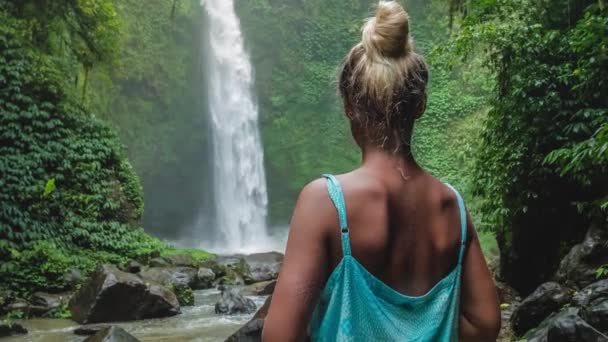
<point>337,197</point>
<point>463,222</point>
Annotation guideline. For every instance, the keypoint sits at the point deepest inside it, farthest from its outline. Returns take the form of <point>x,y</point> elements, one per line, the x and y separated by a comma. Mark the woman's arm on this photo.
<point>305,267</point>
<point>479,307</point>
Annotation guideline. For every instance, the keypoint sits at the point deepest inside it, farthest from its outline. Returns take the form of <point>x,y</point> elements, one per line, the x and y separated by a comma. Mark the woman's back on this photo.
<point>355,301</point>
<point>406,233</point>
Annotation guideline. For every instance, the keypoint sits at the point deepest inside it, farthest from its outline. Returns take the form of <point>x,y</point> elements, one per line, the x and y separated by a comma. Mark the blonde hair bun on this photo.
<point>387,34</point>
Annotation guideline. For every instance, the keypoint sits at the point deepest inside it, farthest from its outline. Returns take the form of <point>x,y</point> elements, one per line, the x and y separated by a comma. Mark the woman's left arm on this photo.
<point>305,267</point>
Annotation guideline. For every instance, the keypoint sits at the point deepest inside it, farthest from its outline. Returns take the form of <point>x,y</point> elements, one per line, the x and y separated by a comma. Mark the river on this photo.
<point>198,323</point>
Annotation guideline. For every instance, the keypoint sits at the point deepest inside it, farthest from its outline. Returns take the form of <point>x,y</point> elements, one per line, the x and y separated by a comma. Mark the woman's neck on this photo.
<point>381,162</point>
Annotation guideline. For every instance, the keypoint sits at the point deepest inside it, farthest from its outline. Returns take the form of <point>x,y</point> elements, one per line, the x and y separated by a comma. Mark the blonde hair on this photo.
<point>383,81</point>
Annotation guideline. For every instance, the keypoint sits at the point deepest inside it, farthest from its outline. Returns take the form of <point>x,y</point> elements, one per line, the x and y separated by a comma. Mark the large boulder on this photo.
<point>565,326</point>
<point>204,278</point>
<point>111,295</point>
<point>252,330</point>
<point>569,326</point>
<point>545,300</point>
<point>232,303</point>
<point>578,268</point>
<point>596,314</point>
<point>112,334</point>
<point>593,301</point>
<point>11,329</point>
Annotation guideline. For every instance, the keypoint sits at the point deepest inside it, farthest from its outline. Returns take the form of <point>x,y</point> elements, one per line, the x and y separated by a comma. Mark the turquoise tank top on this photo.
<point>357,306</point>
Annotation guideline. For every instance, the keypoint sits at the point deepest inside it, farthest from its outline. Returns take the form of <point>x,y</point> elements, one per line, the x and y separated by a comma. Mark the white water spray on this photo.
<point>239,181</point>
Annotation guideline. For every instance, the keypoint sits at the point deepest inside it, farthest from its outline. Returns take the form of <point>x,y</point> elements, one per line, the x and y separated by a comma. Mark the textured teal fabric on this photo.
<point>357,306</point>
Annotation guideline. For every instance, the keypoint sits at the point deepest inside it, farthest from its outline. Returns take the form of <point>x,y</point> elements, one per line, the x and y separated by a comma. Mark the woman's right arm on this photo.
<point>479,307</point>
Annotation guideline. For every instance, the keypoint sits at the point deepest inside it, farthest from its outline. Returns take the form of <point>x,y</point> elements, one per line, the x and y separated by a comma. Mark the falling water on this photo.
<point>239,180</point>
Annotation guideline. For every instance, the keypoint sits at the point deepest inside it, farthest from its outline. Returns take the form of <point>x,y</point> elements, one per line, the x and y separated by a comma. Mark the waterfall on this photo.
<point>238,163</point>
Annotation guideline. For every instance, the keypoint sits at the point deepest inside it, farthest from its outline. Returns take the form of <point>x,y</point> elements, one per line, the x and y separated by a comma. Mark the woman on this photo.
<point>386,252</point>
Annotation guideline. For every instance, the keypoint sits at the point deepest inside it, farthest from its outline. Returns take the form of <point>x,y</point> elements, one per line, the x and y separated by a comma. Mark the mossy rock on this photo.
<point>184,294</point>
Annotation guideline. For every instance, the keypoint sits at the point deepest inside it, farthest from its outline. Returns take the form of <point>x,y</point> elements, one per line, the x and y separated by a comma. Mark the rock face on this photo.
<point>112,334</point>
<point>11,329</point>
<point>545,300</point>
<point>578,268</point>
<point>111,295</point>
<point>252,330</point>
<point>232,303</point>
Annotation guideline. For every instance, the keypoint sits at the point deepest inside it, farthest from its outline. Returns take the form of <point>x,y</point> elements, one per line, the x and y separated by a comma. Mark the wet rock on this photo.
<point>232,303</point>
<point>11,329</point>
<point>159,262</point>
<point>593,301</point>
<point>596,314</point>
<point>111,295</point>
<point>593,292</point>
<point>184,260</point>
<point>133,266</point>
<point>90,329</point>
<point>252,330</point>
<point>213,265</point>
<point>571,327</point>
<point>546,299</point>
<point>264,288</point>
<point>578,268</point>
<point>204,279</point>
<point>112,334</point>
<point>262,267</point>
<point>170,276</point>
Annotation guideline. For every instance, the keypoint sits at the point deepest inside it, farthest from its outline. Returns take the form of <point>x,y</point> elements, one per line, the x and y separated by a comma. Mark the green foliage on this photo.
<point>602,272</point>
<point>152,95</point>
<point>542,166</point>
<point>184,295</point>
<point>198,255</point>
<point>49,187</point>
<point>69,197</point>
